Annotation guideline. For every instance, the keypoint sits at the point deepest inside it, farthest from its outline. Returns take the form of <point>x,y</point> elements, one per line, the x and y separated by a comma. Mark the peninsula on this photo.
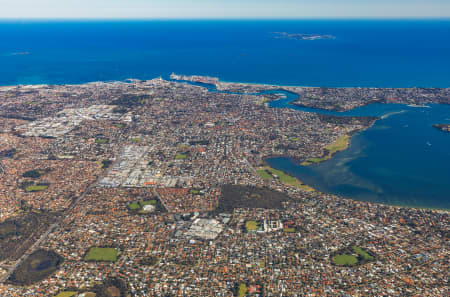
<point>337,99</point>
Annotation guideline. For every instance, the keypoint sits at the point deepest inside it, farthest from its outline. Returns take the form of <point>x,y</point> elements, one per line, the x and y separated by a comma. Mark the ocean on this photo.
<point>401,160</point>
<point>364,53</point>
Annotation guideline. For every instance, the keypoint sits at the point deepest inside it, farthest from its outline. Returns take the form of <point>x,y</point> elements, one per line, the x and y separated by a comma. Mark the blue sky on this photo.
<point>223,8</point>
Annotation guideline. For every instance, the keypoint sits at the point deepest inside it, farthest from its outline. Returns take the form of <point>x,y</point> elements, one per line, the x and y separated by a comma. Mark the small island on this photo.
<point>20,54</point>
<point>442,127</point>
<point>302,36</point>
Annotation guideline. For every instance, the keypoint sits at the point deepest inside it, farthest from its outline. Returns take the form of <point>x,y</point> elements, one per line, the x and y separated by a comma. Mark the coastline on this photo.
<point>269,173</point>
<point>344,97</point>
<point>282,86</point>
<point>128,81</point>
<point>340,144</point>
<point>400,206</point>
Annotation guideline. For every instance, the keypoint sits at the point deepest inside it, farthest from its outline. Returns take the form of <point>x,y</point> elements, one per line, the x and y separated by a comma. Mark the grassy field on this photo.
<point>269,173</point>
<point>351,256</point>
<point>140,204</point>
<point>339,145</point>
<point>362,253</point>
<point>284,178</point>
<point>148,202</point>
<point>66,294</point>
<point>345,260</point>
<point>263,100</point>
<point>101,254</point>
<point>118,125</point>
<point>101,140</point>
<point>134,206</point>
<point>180,157</point>
<point>36,188</point>
<point>251,226</point>
<point>242,290</point>
<point>264,174</point>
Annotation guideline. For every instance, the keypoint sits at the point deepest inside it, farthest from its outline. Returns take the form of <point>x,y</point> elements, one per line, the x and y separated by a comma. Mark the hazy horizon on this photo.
<point>223,9</point>
<point>228,19</point>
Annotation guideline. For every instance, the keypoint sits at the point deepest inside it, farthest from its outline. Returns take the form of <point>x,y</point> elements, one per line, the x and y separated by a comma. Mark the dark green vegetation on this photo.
<point>349,120</point>
<point>120,110</point>
<point>106,163</point>
<point>199,142</point>
<point>101,254</point>
<point>130,100</point>
<point>112,287</point>
<point>23,185</point>
<point>149,261</point>
<point>8,229</point>
<point>32,174</point>
<point>352,256</point>
<point>36,173</point>
<point>237,196</point>
<point>8,153</point>
<point>38,266</point>
<point>15,233</point>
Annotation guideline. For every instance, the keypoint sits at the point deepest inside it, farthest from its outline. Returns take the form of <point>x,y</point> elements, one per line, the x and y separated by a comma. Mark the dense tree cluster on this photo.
<point>36,267</point>
<point>237,196</point>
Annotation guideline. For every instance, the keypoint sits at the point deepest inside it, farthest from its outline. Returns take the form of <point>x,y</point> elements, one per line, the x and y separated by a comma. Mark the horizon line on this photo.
<point>225,18</point>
